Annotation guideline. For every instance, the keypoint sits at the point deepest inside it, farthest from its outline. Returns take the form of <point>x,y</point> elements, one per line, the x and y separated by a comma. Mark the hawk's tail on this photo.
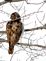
<point>11,48</point>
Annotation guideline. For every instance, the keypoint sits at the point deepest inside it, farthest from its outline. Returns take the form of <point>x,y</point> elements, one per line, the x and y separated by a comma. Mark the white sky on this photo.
<point>39,35</point>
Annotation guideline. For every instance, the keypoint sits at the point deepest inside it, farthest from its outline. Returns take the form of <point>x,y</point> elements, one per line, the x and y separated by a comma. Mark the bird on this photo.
<point>14,29</point>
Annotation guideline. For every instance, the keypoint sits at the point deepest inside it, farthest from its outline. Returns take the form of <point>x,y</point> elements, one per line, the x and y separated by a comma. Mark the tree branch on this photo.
<point>42,27</point>
<point>36,45</point>
<point>37,28</point>
<point>6,1</point>
<point>13,0</point>
<point>1,3</point>
<point>25,44</point>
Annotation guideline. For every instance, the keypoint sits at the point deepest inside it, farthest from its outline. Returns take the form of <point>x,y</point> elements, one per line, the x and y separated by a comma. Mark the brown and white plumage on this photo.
<point>14,31</point>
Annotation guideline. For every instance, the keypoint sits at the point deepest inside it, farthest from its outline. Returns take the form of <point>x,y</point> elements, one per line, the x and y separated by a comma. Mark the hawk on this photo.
<point>14,29</point>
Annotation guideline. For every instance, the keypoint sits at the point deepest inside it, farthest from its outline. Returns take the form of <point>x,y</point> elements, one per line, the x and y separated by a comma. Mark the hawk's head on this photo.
<point>15,16</point>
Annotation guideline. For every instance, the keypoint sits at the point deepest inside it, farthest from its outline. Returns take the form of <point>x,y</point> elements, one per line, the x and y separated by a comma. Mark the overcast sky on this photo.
<point>32,15</point>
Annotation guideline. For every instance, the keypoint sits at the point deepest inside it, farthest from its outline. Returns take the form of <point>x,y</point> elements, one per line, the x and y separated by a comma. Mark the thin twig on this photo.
<point>3,40</point>
<point>3,32</point>
<point>36,45</point>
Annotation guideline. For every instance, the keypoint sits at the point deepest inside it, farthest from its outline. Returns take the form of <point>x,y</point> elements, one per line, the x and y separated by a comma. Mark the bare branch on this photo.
<point>3,32</point>
<point>13,0</point>
<point>25,44</point>
<point>37,28</point>
<point>6,1</point>
<point>41,27</point>
<point>36,45</point>
<point>1,3</point>
<point>3,40</point>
